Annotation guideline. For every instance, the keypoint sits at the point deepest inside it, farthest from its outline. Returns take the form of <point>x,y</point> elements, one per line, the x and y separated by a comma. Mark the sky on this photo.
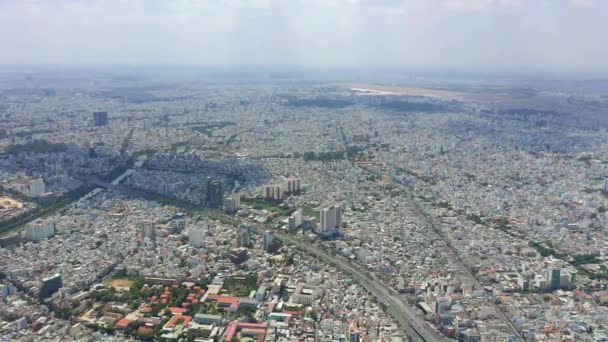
<point>532,34</point>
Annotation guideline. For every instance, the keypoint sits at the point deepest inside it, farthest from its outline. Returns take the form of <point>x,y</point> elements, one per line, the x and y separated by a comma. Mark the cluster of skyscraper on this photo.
<point>277,192</point>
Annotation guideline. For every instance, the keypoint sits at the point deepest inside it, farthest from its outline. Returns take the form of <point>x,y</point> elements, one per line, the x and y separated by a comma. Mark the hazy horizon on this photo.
<point>559,35</point>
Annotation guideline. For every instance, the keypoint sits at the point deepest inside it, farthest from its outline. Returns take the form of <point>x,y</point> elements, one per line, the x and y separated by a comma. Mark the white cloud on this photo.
<point>584,3</point>
<point>333,32</point>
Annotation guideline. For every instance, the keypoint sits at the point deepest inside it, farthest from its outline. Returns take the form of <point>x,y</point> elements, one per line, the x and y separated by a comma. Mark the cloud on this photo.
<point>584,3</point>
<point>430,33</point>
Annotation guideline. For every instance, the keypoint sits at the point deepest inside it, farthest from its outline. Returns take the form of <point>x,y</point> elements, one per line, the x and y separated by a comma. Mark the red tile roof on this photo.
<point>236,326</point>
<point>173,321</point>
<point>176,311</point>
<point>123,323</point>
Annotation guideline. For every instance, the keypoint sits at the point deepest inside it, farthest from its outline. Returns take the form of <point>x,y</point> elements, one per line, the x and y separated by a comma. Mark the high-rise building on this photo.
<point>292,186</point>
<point>330,220</point>
<point>443,305</point>
<point>36,187</point>
<point>295,220</point>
<point>196,235</point>
<point>229,205</point>
<point>148,230</point>
<point>274,192</point>
<point>29,187</point>
<point>215,193</point>
<point>237,200</point>
<point>39,230</point>
<point>268,239</point>
<point>232,203</point>
<point>244,236</point>
<point>100,118</point>
<point>354,335</point>
<point>50,285</point>
<point>177,226</point>
<point>172,188</point>
<point>555,277</point>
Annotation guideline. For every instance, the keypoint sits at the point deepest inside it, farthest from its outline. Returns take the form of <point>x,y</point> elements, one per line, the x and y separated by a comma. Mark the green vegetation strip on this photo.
<point>18,222</point>
<point>260,204</point>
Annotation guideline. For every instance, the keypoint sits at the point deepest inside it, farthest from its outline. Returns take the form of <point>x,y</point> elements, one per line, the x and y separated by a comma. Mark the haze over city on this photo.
<point>532,34</point>
<point>304,170</point>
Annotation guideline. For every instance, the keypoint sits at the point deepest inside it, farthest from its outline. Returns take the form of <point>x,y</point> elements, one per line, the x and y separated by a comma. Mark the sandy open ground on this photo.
<point>120,284</point>
<point>407,91</point>
<point>9,203</point>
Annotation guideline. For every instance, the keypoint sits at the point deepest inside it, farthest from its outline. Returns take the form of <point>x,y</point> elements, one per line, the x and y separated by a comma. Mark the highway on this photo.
<point>416,328</point>
<point>428,223</point>
<point>409,320</point>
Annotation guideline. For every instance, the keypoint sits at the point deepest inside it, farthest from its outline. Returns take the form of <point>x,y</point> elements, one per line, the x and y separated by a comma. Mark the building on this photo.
<point>196,235</point>
<point>214,193</point>
<point>559,279</point>
<point>173,188</point>
<point>605,185</point>
<point>332,144</point>
<point>148,229</point>
<point>555,276</point>
<point>273,193</point>
<point>29,187</point>
<point>268,240</point>
<point>260,294</point>
<point>330,220</point>
<point>443,305</point>
<point>354,335</point>
<point>295,220</point>
<point>244,236</point>
<point>201,318</point>
<point>36,187</point>
<point>237,200</point>
<point>39,230</point>
<point>387,180</point>
<point>238,255</point>
<point>292,186</point>
<point>100,119</point>
<point>277,192</point>
<point>238,330</point>
<point>306,294</point>
<point>229,205</point>
<point>232,203</point>
<point>50,285</point>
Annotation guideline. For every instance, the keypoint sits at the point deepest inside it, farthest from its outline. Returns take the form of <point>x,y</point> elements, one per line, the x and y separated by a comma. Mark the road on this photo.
<point>466,271</point>
<point>428,222</point>
<point>416,328</point>
<point>396,305</point>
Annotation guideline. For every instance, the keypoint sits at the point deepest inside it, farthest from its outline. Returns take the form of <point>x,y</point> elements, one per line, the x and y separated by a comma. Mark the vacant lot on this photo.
<point>407,91</point>
<point>120,284</point>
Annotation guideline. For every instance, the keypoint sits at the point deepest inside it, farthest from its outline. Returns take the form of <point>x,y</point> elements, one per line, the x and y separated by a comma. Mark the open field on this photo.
<point>9,203</point>
<point>499,94</point>
<point>258,203</point>
<point>378,89</point>
<point>120,283</point>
